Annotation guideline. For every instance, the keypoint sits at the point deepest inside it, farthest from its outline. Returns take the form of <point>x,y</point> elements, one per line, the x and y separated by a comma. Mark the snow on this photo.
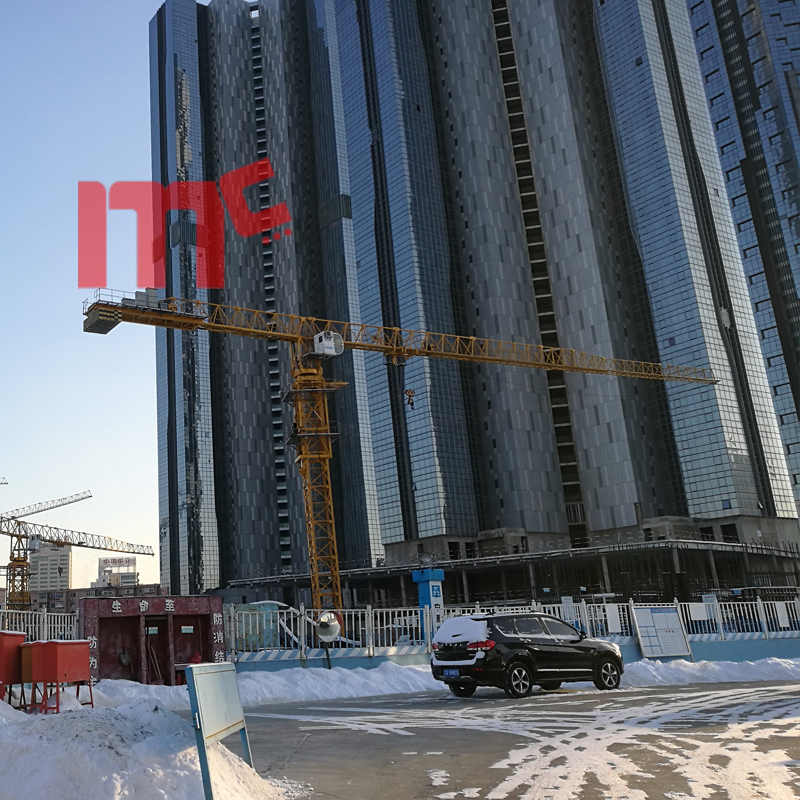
<point>135,750</point>
<point>676,673</point>
<point>131,745</point>
<point>284,686</point>
<point>294,685</point>
<point>462,629</point>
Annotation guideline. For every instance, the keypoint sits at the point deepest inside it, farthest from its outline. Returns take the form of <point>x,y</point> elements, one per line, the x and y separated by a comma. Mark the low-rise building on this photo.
<point>66,602</point>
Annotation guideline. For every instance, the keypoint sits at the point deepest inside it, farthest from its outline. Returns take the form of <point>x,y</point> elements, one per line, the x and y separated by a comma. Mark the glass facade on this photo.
<point>379,160</point>
<point>541,172</point>
<point>748,60</point>
<point>727,438</point>
<point>187,508</point>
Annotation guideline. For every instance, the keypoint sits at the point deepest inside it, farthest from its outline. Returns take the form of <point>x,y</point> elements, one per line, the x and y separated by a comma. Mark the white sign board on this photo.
<point>783,614</point>
<point>612,617</point>
<point>698,611</point>
<point>216,711</point>
<point>660,632</point>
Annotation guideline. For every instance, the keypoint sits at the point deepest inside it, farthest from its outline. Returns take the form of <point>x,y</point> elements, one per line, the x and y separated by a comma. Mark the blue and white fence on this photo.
<point>287,634</point>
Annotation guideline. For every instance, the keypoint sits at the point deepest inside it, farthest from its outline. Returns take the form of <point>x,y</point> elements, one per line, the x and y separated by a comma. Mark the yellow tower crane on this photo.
<point>26,538</point>
<point>314,340</point>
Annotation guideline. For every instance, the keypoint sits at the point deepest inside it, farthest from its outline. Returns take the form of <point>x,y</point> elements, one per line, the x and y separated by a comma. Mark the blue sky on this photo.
<point>77,411</point>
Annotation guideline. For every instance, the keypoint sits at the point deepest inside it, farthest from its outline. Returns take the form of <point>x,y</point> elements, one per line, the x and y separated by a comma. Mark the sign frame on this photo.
<point>650,640</point>
<point>217,713</point>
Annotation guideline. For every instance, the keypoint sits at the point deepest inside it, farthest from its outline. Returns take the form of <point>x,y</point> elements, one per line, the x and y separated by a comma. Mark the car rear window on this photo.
<point>529,626</point>
<point>462,629</point>
<point>558,628</point>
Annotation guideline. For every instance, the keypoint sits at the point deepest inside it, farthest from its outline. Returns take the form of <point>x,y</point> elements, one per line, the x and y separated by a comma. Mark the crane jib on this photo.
<point>311,344</point>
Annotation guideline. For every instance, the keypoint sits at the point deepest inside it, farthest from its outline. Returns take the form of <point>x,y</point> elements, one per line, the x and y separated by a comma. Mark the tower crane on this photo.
<point>47,505</point>
<point>26,538</point>
<point>312,341</point>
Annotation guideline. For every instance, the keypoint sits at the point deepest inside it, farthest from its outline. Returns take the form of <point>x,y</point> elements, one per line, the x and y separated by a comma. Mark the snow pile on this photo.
<point>675,673</point>
<point>110,694</point>
<point>132,751</point>
<point>8,714</point>
<point>290,685</point>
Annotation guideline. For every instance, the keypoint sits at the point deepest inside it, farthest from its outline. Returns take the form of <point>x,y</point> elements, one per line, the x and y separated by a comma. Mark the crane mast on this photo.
<point>309,392</point>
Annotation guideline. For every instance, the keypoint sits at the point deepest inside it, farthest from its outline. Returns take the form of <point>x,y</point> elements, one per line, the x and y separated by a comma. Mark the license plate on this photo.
<point>450,673</point>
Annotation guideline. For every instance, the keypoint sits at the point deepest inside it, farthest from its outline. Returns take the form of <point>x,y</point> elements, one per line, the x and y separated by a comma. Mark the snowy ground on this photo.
<point>704,742</point>
<point>131,745</point>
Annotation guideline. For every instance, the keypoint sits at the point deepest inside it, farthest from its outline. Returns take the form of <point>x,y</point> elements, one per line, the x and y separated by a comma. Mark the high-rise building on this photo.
<point>748,54</point>
<point>51,568</point>
<point>543,173</point>
<point>188,520</point>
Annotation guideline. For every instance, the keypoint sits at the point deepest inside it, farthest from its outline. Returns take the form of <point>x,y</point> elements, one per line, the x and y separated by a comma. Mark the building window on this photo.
<point>730,534</point>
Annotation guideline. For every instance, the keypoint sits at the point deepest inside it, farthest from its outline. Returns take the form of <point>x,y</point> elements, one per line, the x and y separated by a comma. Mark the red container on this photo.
<point>10,657</point>
<point>55,662</point>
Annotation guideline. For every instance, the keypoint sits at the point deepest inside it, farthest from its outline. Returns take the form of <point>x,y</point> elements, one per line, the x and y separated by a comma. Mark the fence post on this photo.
<point>762,618</point>
<point>44,633</point>
<point>718,615</point>
<point>231,632</point>
<point>302,631</point>
<point>369,631</point>
<point>426,615</point>
<point>585,618</point>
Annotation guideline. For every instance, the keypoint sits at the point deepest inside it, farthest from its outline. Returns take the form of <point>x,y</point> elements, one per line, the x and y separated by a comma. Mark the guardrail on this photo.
<point>378,631</point>
<point>40,626</point>
<point>295,629</point>
<point>747,619</point>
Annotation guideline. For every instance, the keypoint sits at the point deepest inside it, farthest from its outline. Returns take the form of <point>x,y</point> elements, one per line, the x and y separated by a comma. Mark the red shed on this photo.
<point>150,639</point>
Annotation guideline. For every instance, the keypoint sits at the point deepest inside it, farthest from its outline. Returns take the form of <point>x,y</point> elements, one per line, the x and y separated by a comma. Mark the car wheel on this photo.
<point>607,675</point>
<point>550,686</point>
<point>519,679</point>
<point>462,690</point>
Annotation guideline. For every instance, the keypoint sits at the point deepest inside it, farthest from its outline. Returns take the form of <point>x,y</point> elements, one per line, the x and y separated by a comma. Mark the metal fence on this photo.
<point>295,629</point>
<point>745,619</point>
<point>380,629</point>
<point>40,626</point>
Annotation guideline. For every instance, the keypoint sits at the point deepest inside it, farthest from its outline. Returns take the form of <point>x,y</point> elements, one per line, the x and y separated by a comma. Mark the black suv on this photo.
<point>515,652</point>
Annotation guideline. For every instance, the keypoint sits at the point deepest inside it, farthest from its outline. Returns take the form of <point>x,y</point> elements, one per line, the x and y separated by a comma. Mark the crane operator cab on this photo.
<point>328,344</point>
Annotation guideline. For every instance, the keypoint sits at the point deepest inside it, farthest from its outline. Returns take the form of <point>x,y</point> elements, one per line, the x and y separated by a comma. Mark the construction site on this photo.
<point>658,560</point>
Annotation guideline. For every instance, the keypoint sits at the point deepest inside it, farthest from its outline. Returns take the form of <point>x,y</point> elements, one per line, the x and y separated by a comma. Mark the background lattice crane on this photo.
<point>314,340</point>
<point>26,537</point>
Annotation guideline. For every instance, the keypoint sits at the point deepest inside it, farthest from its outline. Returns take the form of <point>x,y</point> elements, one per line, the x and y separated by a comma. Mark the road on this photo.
<point>715,741</point>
